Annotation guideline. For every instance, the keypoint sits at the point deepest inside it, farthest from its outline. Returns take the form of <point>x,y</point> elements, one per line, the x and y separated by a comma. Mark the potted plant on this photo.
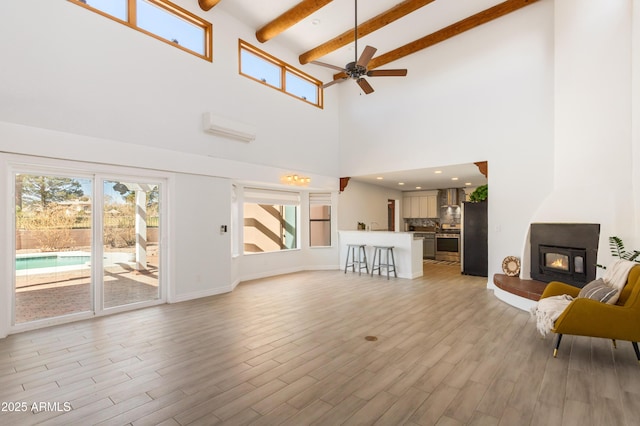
<point>480,194</point>
<point>616,246</point>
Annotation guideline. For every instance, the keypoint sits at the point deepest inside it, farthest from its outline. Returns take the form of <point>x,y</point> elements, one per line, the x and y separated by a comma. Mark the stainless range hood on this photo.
<point>452,198</point>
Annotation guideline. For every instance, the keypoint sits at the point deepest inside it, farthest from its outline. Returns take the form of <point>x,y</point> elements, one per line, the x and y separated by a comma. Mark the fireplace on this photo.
<point>562,263</point>
<point>564,252</point>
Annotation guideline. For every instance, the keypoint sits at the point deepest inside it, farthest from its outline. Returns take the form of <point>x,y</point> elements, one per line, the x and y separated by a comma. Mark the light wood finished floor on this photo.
<point>291,350</point>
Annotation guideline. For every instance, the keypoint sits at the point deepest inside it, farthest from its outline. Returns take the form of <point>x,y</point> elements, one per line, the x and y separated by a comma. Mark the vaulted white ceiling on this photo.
<point>337,16</point>
<point>436,20</point>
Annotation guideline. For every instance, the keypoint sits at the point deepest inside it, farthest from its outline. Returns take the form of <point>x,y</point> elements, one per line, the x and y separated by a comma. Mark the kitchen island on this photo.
<point>407,249</point>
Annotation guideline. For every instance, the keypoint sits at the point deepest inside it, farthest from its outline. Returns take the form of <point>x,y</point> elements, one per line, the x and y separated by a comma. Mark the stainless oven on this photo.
<point>448,247</point>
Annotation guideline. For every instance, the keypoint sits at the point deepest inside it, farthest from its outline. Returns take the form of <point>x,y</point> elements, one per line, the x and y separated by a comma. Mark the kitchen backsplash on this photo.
<point>422,223</point>
<point>450,215</point>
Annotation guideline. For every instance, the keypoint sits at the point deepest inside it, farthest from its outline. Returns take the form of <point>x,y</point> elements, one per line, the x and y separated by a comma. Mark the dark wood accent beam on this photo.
<point>207,4</point>
<point>344,181</point>
<point>483,167</point>
<point>291,17</point>
<point>373,24</point>
<point>446,33</point>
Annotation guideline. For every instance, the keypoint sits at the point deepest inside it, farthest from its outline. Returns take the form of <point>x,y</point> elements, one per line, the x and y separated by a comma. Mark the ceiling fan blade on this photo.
<point>322,64</point>
<point>332,82</point>
<point>366,56</point>
<point>365,86</point>
<point>387,73</point>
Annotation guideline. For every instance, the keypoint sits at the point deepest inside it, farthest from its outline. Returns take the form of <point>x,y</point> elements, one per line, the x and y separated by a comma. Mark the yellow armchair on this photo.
<point>586,317</point>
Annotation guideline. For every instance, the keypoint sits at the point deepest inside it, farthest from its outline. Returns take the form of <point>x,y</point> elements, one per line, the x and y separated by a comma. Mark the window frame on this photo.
<point>320,199</point>
<point>284,68</point>
<point>271,197</point>
<point>169,7</point>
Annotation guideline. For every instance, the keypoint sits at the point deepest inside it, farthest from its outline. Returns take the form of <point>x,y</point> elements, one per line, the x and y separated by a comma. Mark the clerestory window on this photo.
<point>271,71</point>
<point>160,19</point>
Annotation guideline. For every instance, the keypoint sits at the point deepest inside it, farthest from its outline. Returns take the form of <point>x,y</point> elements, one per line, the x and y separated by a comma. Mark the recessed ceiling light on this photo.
<point>454,178</point>
<point>379,178</point>
<point>468,183</point>
<point>400,183</point>
<point>438,172</point>
<point>418,187</point>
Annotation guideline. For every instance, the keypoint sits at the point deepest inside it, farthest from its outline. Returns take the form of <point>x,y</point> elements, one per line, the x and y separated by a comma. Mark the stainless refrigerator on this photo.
<point>474,246</point>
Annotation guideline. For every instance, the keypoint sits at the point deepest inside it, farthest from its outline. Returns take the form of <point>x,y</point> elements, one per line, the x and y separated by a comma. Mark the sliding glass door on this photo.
<point>84,245</point>
<point>53,246</point>
<point>131,220</point>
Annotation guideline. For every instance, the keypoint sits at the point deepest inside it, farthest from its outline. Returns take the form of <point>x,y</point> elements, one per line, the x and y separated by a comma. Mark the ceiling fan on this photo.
<point>357,69</point>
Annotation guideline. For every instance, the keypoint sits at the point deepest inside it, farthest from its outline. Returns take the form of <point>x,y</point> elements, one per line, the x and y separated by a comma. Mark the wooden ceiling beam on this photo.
<point>373,24</point>
<point>446,33</point>
<point>289,18</point>
<point>207,4</point>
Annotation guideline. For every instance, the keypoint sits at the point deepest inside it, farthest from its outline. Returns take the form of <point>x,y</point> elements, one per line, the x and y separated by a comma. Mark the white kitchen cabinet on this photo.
<point>420,205</point>
<point>432,206</point>
<point>415,207</point>
<point>406,207</point>
<point>424,206</point>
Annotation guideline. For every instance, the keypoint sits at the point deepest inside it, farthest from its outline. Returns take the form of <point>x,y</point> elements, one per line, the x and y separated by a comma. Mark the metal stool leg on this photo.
<point>390,263</point>
<point>393,259</point>
<point>346,263</point>
<point>373,263</point>
<point>360,261</point>
<point>364,257</point>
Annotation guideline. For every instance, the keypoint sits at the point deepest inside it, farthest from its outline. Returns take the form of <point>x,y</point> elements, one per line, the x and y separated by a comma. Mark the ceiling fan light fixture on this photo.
<point>357,69</point>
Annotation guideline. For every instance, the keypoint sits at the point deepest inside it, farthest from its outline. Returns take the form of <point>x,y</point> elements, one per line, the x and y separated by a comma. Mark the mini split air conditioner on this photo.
<point>228,128</point>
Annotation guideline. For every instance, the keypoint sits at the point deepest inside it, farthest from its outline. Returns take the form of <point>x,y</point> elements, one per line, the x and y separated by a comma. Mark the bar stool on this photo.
<point>360,260</point>
<point>390,265</point>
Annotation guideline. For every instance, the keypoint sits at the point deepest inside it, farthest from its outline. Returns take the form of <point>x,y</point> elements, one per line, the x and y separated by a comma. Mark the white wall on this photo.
<point>75,85</point>
<point>72,70</point>
<point>363,202</point>
<point>199,261</point>
<point>484,95</point>
<point>594,154</point>
<point>200,254</point>
<point>634,239</point>
<point>83,87</point>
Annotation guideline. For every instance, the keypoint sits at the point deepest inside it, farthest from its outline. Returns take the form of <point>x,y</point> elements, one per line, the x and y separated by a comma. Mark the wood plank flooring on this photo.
<point>291,350</point>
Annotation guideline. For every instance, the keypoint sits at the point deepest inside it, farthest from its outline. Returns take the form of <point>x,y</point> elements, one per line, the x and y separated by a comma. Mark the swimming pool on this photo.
<point>53,260</point>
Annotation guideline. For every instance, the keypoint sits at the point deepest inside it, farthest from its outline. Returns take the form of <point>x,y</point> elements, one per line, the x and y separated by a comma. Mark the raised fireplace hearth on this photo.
<point>564,252</point>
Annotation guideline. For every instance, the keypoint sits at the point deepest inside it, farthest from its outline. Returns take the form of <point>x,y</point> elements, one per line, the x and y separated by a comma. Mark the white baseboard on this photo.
<point>204,293</point>
<point>276,272</point>
<point>273,273</point>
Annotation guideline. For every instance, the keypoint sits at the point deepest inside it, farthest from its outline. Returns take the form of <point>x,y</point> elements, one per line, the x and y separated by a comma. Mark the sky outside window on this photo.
<point>302,88</point>
<point>170,27</point>
<point>260,69</point>
<point>115,8</point>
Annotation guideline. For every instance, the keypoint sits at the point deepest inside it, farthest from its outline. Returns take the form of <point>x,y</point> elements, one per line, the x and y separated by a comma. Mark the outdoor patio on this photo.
<point>55,294</point>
